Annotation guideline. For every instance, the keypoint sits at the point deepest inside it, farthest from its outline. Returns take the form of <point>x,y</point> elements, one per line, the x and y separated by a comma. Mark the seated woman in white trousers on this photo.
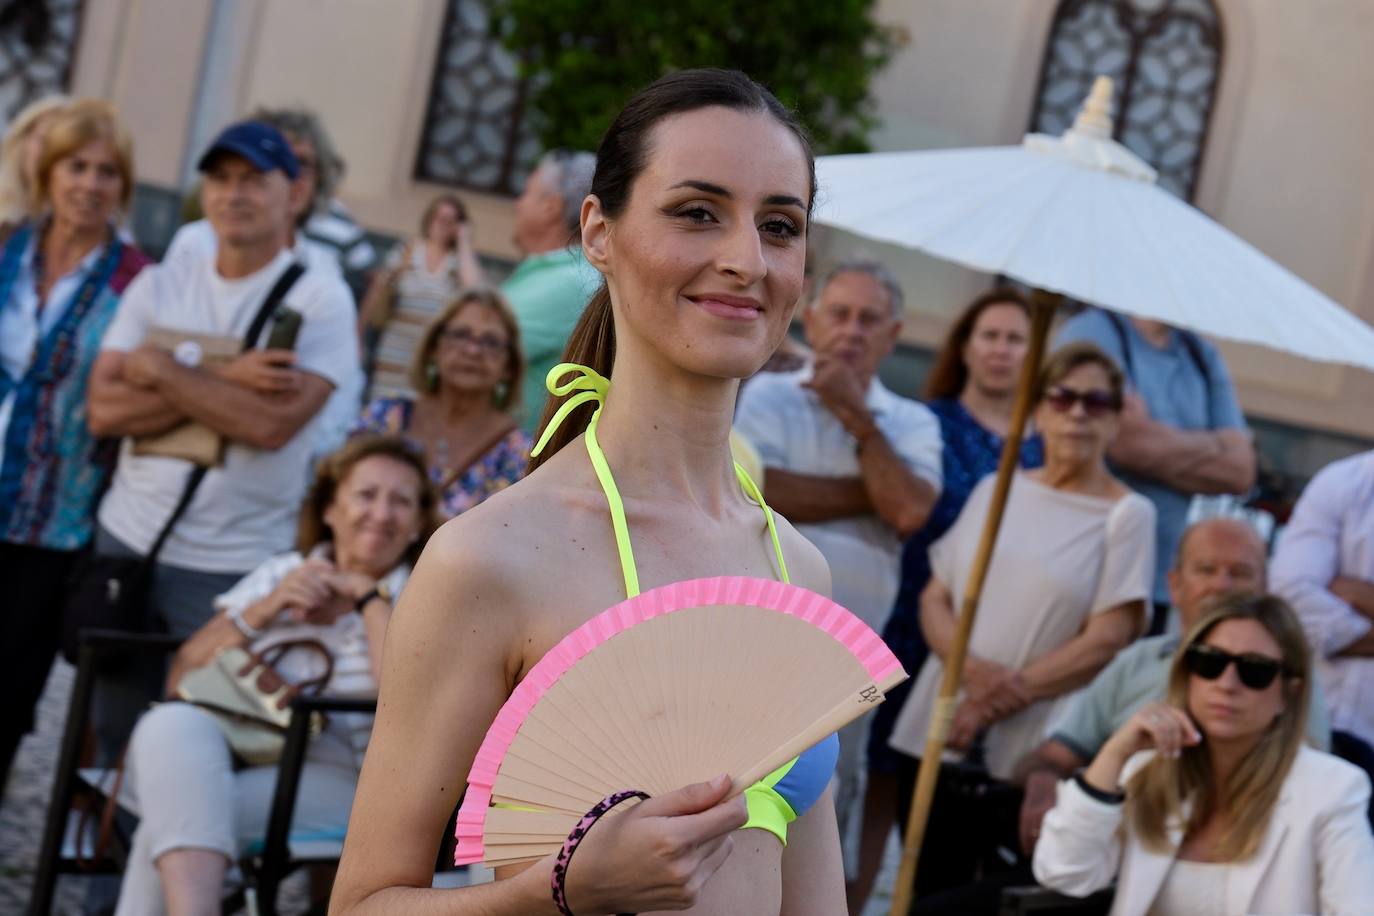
<point>364,522</point>
<point>1209,804</point>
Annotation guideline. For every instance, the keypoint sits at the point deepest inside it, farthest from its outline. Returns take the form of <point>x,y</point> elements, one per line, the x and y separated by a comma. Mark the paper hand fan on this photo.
<point>675,686</point>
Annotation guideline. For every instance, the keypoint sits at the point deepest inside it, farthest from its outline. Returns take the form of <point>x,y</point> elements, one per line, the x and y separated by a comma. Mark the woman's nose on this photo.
<point>1230,678</point>
<point>741,255</point>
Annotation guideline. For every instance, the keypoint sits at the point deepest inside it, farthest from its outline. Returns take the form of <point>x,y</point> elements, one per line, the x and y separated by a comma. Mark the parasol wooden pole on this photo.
<point>1043,305</point>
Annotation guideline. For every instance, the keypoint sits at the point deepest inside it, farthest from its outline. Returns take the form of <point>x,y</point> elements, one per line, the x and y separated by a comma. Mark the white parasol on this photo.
<point>1077,215</point>
<point>1081,215</point>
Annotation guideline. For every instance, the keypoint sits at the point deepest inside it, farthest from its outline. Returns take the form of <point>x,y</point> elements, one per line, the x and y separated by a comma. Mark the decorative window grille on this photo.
<point>476,134</point>
<point>1164,56</point>
<point>37,45</point>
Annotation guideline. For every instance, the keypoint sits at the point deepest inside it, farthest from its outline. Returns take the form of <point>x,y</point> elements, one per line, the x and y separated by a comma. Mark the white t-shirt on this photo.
<point>793,431</point>
<point>197,240</point>
<point>244,511</point>
<point>1060,557</point>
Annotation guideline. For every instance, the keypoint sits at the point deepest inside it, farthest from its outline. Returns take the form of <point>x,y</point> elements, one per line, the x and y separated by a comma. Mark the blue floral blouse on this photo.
<point>501,466</point>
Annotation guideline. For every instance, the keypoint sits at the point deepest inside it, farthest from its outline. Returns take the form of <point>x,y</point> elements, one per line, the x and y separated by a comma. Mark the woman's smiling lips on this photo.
<point>739,308</point>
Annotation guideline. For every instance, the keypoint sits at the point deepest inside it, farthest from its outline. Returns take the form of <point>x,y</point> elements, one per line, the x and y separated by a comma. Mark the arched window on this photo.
<point>476,133</point>
<point>37,40</point>
<point>1164,56</point>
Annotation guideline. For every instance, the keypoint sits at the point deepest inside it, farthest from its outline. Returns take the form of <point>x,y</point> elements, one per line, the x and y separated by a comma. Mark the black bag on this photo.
<point>111,593</point>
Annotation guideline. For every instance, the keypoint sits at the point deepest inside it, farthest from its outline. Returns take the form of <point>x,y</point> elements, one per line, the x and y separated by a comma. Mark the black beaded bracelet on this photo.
<point>1107,798</point>
<point>559,878</point>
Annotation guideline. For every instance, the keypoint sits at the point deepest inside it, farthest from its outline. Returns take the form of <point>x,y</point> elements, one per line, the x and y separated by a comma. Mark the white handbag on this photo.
<point>250,701</point>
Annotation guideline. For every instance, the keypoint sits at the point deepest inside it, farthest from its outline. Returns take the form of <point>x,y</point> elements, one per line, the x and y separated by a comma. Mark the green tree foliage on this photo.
<point>586,57</point>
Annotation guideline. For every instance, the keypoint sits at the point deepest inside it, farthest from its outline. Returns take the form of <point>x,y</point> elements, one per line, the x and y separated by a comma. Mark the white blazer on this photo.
<point>1317,857</point>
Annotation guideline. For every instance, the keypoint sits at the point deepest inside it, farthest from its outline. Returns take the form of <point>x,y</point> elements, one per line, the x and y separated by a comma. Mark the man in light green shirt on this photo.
<point>551,286</point>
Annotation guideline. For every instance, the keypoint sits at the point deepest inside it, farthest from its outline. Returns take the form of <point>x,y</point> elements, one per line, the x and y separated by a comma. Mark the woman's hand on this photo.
<point>656,856</point>
<point>970,717</point>
<point>352,584</point>
<point>997,688</point>
<point>1165,728</point>
<point>306,591</point>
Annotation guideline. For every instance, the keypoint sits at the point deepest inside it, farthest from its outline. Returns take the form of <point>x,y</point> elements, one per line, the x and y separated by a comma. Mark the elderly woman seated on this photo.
<point>364,523</point>
<point>1066,590</point>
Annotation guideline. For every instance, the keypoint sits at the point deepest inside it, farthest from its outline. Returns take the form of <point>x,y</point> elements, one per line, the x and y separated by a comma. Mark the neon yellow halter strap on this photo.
<point>767,809</point>
<point>586,386</point>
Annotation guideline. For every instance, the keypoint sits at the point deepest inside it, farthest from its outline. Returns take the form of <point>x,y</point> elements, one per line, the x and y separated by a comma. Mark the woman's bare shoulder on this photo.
<point>806,566</point>
<point>496,555</point>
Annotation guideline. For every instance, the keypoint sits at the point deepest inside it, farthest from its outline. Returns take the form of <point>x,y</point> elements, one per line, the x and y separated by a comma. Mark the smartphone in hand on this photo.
<point>286,325</point>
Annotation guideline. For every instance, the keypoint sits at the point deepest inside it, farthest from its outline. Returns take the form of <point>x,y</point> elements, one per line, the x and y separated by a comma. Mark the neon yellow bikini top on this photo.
<point>771,806</point>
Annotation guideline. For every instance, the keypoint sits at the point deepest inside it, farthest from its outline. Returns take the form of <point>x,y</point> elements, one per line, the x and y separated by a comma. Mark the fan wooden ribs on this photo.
<point>728,675</point>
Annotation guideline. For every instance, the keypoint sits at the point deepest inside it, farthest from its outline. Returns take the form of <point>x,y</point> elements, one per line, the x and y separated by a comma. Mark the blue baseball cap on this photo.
<point>261,144</point>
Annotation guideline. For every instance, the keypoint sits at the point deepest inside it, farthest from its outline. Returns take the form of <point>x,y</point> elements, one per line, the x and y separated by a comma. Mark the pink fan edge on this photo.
<point>841,624</point>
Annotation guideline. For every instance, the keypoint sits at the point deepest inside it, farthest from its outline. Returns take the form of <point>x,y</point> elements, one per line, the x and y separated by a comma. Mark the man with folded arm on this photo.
<point>263,403</point>
<point>854,466</point>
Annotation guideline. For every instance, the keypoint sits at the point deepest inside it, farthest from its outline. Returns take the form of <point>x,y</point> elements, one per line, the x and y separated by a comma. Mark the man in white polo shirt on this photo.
<point>264,403</point>
<point>855,467</point>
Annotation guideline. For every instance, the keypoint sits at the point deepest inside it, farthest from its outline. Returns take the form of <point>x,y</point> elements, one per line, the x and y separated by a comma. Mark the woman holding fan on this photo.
<point>697,220</point>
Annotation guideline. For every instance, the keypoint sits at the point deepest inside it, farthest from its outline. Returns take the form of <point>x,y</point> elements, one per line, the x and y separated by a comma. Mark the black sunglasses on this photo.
<point>1096,402</point>
<point>1255,671</point>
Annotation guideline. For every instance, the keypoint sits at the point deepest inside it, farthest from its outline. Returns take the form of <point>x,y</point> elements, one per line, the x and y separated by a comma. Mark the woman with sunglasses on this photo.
<point>1210,803</point>
<point>467,370</point>
<point>1066,590</point>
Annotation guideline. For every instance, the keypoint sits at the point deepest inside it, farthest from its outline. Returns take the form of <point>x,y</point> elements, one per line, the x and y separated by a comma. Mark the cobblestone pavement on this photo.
<point>26,800</point>
<point>25,804</point>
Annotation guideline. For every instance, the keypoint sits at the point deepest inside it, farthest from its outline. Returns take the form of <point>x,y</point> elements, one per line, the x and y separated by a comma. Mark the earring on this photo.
<point>500,393</point>
<point>432,376</point>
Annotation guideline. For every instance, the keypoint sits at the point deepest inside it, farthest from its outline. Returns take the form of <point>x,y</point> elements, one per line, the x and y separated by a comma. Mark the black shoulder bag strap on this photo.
<point>1119,325</point>
<point>269,305</point>
<point>1191,342</point>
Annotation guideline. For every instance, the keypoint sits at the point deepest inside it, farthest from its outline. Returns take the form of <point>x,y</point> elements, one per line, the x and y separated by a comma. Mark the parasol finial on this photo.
<point>1095,117</point>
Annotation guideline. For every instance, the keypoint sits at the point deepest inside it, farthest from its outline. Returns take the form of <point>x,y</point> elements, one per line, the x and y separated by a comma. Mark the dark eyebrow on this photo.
<point>784,200</point>
<point>706,187</point>
<point>703,186</point>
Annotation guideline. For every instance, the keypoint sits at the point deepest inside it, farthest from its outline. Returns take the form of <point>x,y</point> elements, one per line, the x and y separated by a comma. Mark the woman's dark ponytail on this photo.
<point>591,344</point>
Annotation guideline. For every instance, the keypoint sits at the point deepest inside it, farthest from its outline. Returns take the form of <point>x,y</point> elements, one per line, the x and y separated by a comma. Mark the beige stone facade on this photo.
<point>1286,164</point>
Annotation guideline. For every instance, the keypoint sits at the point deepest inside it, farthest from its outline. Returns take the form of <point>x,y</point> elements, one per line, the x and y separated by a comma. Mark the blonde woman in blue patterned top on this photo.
<point>61,278</point>
<point>468,370</point>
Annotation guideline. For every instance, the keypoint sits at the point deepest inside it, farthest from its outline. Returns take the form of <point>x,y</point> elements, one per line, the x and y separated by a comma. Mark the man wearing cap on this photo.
<point>263,403</point>
<point>318,170</point>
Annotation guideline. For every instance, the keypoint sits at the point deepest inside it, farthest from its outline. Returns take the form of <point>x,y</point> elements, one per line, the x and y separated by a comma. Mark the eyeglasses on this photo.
<point>1096,403</point>
<point>1209,663</point>
<point>489,344</point>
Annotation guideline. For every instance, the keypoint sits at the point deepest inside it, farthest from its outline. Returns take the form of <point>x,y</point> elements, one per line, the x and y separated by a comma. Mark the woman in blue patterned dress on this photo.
<point>467,369</point>
<point>61,278</point>
<point>971,390</point>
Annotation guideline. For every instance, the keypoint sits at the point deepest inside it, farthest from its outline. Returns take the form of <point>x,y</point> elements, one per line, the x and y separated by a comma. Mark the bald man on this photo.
<point>1214,556</point>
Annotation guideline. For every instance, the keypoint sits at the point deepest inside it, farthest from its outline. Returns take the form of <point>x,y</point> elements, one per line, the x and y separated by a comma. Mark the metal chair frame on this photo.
<point>263,871</point>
